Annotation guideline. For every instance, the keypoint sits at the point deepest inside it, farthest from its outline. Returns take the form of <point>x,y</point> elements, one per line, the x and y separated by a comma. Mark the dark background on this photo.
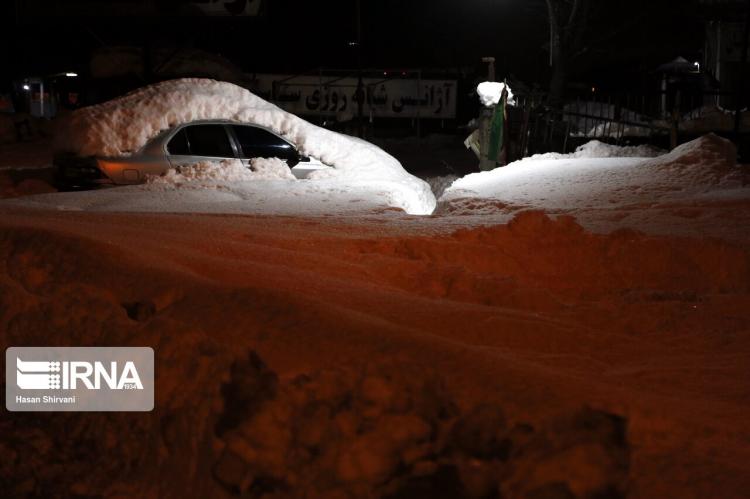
<point>625,38</point>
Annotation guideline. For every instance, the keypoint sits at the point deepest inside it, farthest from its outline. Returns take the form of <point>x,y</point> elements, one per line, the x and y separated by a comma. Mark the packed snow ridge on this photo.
<point>122,126</point>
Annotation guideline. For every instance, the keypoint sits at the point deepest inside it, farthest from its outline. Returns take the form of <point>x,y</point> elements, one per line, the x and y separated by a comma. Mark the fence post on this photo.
<point>675,121</point>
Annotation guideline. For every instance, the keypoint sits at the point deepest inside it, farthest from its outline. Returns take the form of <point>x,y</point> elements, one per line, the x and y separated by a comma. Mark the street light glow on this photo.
<point>71,75</point>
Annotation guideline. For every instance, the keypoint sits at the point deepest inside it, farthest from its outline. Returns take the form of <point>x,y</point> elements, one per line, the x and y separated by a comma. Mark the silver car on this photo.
<point>183,145</point>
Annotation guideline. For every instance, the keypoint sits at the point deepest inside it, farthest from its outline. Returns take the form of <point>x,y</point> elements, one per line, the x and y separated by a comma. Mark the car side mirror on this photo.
<point>297,158</point>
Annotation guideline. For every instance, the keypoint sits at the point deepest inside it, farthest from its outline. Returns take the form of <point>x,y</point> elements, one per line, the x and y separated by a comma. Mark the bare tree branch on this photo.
<point>573,13</point>
<point>551,13</point>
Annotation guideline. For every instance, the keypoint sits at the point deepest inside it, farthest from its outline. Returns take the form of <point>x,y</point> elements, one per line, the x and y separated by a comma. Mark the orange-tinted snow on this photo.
<point>538,317</point>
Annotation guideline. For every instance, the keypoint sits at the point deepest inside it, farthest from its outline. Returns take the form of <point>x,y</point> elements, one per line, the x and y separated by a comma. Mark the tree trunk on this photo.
<point>557,57</point>
<point>567,23</point>
<point>559,80</point>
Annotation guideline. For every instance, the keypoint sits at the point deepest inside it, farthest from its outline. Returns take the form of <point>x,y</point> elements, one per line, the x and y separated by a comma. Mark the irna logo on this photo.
<point>71,375</point>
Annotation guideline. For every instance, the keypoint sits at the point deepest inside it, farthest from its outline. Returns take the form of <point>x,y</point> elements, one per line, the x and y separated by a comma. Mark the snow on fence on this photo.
<point>621,117</point>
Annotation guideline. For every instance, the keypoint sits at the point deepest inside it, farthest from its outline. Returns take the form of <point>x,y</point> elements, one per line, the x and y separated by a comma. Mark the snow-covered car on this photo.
<point>135,137</point>
<point>185,145</point>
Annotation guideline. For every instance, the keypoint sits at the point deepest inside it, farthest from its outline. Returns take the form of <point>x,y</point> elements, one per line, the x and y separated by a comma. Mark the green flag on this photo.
<point>497,126</point>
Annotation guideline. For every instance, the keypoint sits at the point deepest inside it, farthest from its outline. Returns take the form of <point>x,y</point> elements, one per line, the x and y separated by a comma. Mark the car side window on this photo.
<point>178,145</point>
<point>208,140</point>
<point>259,143</point>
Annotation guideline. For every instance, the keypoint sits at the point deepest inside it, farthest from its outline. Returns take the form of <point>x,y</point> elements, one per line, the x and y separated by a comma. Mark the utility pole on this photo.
<point>490,67</point>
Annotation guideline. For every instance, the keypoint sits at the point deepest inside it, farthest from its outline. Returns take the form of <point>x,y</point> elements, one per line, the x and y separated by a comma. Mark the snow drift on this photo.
<point>109,129</point>
<point>324,359</point>
<point>598,149</point>
<point>691,190</point>
<point>702,166</point>
<point>211,173</point>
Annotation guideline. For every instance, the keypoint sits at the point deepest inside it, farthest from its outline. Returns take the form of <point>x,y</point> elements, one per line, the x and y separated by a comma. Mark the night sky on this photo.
<point>295,36</point>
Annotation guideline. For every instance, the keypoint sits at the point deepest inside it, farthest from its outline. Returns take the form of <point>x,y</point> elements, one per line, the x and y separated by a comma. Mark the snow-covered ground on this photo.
<point>561,327</point>
<point>689,191</point>
<point>387,359</point>
<point>224,193</point>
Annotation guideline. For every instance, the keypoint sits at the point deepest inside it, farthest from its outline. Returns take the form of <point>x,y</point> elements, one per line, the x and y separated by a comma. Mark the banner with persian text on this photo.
<point>336,97</point>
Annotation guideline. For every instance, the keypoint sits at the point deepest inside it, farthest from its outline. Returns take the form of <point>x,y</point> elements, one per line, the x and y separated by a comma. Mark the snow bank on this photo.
<point>697,175</point>
<point>391,363</point>
<point>597,149</point>
<point>109,129</point>
<point>490,93</point>
<point>208,173</point>
<point>391,430</point>
<point>706,163</point>
<point>270,168</point>
<point>555,180</point>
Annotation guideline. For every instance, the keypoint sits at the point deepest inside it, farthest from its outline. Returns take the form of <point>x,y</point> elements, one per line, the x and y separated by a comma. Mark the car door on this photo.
<point>256,142</point>
<point>200,142</point>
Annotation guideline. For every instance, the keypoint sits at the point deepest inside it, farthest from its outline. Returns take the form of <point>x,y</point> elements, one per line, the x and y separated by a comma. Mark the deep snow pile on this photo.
<point>392,430</point>
<point>705,164</point>
<point>689,190</point>
<point>394,364</point>
<point>702,167</point>
<point>109,129</point>
<point>598,149</point>
<point>213,173</point>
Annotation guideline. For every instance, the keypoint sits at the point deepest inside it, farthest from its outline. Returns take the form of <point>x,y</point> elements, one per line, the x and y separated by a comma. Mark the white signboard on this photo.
<point>336,97</point>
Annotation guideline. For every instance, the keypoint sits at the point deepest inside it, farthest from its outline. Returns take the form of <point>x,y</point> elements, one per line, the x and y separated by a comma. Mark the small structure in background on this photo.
<point>27,109</point>
<point>46,96</point>
<point>680,79</point>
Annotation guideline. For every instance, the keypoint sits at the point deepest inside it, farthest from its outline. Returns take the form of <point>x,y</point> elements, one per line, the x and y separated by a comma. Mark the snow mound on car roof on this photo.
<point>124,125</point>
